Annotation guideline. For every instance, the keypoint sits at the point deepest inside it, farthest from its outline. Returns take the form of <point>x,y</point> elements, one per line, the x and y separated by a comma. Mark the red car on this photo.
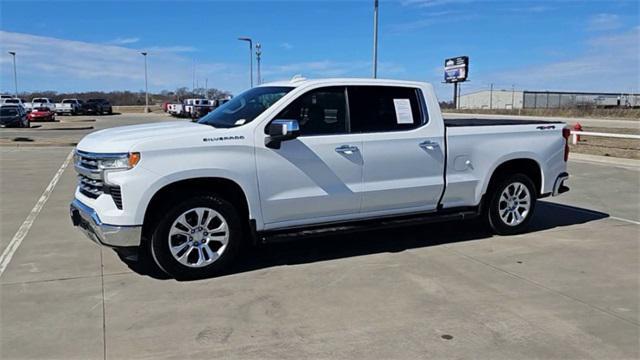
<point>42,114</point>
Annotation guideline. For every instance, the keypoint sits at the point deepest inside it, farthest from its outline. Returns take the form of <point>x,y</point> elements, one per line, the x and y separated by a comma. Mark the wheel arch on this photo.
<point>526,166</point>
<point>226,188</point>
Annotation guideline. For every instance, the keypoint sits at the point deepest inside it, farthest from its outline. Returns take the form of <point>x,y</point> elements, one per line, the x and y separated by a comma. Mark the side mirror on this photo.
<point>281,130</point>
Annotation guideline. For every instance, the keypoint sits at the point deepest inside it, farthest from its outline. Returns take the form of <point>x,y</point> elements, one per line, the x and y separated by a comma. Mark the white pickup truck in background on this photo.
<point>308,157</point>
<point>69,106</point>
<point>40,102</point>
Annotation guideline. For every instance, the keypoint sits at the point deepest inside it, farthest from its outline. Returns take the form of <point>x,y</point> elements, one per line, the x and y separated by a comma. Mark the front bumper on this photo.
<point>87,220</point>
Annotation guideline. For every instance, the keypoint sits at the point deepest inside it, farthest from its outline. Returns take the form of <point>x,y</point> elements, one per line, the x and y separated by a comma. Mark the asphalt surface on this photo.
<point>568,289</point>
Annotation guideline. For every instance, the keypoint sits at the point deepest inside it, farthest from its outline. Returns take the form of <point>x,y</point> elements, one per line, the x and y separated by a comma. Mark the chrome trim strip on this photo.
<point>91,155</point>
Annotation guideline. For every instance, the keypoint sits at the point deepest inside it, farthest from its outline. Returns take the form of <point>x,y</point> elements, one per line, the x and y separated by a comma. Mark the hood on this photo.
<point>122,139</point>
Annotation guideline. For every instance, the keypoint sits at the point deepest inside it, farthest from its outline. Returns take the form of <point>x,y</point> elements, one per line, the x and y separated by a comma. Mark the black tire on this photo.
<point>160,242</point>
<point>496,205</point>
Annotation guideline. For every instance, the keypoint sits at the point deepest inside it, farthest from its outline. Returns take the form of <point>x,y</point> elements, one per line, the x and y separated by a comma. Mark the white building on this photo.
<point>496,99</point>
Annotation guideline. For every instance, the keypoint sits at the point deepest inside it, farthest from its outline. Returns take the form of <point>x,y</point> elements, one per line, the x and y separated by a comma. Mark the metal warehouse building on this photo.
<point>514,99</point>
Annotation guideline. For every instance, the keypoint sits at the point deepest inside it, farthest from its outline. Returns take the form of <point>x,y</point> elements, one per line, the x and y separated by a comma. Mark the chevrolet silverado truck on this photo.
<point>304,157</point>
<point>69,106</point>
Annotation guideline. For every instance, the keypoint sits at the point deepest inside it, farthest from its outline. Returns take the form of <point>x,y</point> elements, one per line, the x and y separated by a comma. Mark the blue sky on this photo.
<point>535,45</point>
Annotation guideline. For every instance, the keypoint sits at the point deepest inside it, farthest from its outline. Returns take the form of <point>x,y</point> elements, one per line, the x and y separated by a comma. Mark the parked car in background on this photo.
<point>176,109</point>
<point>14,101</point>
<point>40,102</point>
<point>197,108</point>
<point>42,114</point>
<point>13,116</point>
<point>69,106</point>
<point>2,97</point>
<point>97,106</point>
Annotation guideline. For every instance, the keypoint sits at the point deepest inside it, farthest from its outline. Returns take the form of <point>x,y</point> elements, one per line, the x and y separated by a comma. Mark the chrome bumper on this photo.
<point>559,187</point>
<point>86,219</point>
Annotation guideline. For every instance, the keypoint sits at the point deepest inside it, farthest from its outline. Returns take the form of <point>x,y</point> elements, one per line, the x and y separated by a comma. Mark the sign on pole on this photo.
<point>456,69</point>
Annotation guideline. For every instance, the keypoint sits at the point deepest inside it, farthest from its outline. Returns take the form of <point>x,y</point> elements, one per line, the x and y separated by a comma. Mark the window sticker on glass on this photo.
<point>403,111</point>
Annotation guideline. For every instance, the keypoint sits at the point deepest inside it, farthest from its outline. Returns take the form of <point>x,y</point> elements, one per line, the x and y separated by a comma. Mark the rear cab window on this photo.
<point>385,108</point>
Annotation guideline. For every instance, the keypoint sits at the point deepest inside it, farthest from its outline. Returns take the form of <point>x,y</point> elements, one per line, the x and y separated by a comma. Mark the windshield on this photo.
<point>41,109</point>
<point>8,112</point>
<point>245,107</point>
<point>68,101</point>
<point>12,101</point>
<point>39,100</point>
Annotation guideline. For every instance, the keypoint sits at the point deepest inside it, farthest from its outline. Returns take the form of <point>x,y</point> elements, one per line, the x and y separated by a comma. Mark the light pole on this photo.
<point>258,54</point>
<point>15,73</point>
<point>375,39</point>
<point>250,57</point>
<point>146,86</point>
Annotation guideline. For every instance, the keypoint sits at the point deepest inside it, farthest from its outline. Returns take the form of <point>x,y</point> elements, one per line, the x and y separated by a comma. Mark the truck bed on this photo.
<point>492,122</point>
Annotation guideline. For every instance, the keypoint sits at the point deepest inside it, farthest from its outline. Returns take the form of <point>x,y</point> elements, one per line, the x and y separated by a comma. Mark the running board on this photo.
<point>362,225</point>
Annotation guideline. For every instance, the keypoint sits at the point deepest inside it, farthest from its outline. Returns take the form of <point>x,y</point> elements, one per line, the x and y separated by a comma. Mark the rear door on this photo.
<point>317,176</point>
<point>403,152</point>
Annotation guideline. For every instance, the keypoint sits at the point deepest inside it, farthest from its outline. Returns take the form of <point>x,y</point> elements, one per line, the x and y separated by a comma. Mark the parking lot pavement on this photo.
<point>567,289</point>
<point>68,130</point>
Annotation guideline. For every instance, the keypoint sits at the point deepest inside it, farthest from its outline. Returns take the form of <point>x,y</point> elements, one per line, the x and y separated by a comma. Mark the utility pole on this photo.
<point>375,39</point>
<point>193,81</point>
<point>15,73</point>
<point>258,54</point>
<point>206,88</point>
<point>513,96</point>
<point>250,57</point>
<point>491,97</point>
<point>146,86</point>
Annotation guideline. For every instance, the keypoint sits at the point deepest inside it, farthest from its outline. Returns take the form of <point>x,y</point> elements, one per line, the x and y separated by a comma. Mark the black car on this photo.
<point>13,116</point>
<point>97,106</point>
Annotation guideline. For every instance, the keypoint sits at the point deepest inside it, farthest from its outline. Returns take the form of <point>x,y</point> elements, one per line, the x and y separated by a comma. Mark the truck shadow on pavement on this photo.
<point>547,216</point>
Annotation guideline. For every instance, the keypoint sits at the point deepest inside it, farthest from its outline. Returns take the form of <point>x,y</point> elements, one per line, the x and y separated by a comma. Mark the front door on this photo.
<point>317,176</point>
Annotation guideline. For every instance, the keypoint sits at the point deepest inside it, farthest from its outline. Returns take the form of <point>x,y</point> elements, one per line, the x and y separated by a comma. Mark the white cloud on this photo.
<point>64,65</point>
<point>433,18</point>
<point>604,22</point>
<point>329,68</point>
<point>286,46</point>
<point>610,63</point>
<point>124,41</point>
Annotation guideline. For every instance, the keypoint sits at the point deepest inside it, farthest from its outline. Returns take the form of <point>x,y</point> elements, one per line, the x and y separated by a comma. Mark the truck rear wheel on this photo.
<point>511,204</point>
<point>199,237</point>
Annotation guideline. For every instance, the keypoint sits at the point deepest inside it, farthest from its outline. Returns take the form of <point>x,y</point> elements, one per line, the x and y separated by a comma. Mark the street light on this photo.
<point>375,39</point>
<point>146,87</point>
<point>250,57</point>
<point>15,74</point>
<point>258,54</point>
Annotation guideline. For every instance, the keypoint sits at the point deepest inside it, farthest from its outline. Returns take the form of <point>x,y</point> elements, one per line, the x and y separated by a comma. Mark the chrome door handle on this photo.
<point>347,149</point>
<point>429,145</point>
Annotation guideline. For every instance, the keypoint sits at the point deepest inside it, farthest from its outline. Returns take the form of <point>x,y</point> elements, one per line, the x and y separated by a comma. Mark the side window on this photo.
<point>319,112</point>
<point>385,108</point>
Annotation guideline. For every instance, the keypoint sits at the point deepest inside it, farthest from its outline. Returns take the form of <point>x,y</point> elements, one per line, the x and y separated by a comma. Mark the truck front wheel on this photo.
<point>511,204</point>
<point>200,237</point>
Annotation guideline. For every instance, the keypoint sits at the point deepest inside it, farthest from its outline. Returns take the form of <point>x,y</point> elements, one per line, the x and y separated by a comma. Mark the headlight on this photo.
<point>119,161</point>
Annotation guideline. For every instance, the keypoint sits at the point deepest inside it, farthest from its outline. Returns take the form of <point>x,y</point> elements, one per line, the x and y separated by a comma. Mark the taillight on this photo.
<point>566,133</point>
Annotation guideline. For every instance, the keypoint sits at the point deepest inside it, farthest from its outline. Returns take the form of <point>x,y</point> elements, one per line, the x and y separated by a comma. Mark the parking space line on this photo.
<point>22,232</point>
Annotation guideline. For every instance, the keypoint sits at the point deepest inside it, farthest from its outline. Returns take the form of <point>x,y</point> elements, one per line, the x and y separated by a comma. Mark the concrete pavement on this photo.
<point>568,289</point>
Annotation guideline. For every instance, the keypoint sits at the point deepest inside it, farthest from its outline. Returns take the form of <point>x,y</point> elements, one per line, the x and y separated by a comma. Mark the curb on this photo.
<point>604,160</point>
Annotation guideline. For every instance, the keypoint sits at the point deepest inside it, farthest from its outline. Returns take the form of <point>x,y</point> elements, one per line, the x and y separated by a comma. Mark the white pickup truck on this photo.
<point>69,106</point>
<point>40,102</point>
<point>308,157</point>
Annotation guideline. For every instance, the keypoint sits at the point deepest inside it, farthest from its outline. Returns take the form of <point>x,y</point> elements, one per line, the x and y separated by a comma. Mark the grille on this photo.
<point>90,187</point>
